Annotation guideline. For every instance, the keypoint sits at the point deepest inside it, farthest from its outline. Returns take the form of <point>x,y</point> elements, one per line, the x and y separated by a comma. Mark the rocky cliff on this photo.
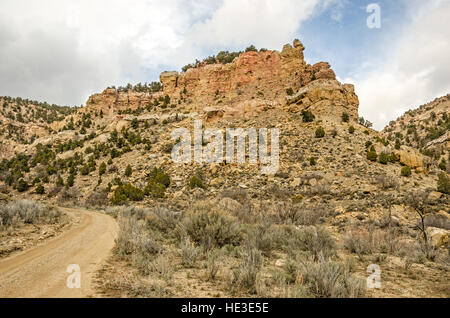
<point>254,81</point>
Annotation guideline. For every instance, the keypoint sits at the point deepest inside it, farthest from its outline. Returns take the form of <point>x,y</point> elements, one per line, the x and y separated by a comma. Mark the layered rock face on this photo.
<point>248,68</point>
<point>111,101</point>
<point>251,84</point>
<point>267,75</point>
<point>327,97</point>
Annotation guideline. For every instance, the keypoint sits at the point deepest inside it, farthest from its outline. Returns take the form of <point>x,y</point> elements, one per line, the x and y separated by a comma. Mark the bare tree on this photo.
<point>420,203</point>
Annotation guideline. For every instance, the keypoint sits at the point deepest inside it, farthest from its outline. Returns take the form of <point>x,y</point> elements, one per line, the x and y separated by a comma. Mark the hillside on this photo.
<point>343,192</point>
<point>426,128</point>
<point>23,120</point>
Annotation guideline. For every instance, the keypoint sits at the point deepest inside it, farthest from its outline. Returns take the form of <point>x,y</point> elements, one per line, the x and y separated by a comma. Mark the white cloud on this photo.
<point>259,22</point>
<point>415,69</point>
<point>63,51</point>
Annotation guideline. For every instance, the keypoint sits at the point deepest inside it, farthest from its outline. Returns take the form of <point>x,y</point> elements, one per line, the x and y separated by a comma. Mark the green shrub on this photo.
<point>155,189</point>
<point>320,132</point>
<point>70,181</point>
<point>345,117</point>
<point>251,48</point>
<point>308,117</point>
<point>40,189</point>
<point>406,172</point>
<point>312,161</point>
<point>157,183</point>
<point>334,133</point>
<point>443,183</point>
<point>383,158</point>
<point>102,169</point>
<point>372,155</point>
<point>60,181</point>
<point>160,176</point>
<point>290,91</point>
<point>22,185</point>
<point>128,171</point>
<point>196,182</point>
<point>84,170</point>
<point>126,192</point>
<point>393,158</point>
<point>351,129</point>
<point>443,165</point>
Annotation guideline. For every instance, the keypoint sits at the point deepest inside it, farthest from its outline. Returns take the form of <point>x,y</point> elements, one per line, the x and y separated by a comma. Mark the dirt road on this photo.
<point>42,271</point>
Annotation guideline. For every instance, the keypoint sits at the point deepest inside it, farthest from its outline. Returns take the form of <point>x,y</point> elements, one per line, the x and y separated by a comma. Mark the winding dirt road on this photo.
<point>41,272</point>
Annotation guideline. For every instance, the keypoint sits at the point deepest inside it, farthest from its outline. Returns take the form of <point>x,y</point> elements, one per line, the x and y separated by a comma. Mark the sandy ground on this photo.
<point>42,271</point>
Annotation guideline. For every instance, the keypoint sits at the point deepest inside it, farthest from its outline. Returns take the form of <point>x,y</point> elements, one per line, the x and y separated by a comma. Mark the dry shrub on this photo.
<point>97,199</point>
<point>386,182</point>
<point>278,193</point>
<point>358,242</point>
<point>162,266</point>
<point>312,215</point>
<point>245,275</point>
<point>68,195</point>
<point>265,238</point>
<point>4,189</point>
<point>365,242</point>
<point>28,212</point>
<point>320,189</point>
<point>134,287</point>
<point>315,240</point>
<point>212,264</point>
<point>189,253</point>
<point>134,244</point>
<point>210,228</point>
<point>54,190</point>
<point>310,176</point>
<point>327,279</point>
<point>237,194</point>
<point>438,221</point>
<point>163,220</point>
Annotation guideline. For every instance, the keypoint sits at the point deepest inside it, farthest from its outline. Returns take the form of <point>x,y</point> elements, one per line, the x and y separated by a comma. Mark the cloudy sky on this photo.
<point>63,51</point>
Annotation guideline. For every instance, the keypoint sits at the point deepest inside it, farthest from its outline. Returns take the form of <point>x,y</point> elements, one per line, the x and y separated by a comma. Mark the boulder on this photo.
<point>169,81</point>
<point>411,158</point>
<point>438,237</point>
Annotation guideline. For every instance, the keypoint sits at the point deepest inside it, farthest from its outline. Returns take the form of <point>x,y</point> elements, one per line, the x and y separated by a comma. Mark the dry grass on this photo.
<point>13,214</point>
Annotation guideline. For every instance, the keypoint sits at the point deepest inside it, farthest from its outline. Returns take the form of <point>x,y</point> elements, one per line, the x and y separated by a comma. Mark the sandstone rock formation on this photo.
<point>327,98</point>
<point>412,158</point>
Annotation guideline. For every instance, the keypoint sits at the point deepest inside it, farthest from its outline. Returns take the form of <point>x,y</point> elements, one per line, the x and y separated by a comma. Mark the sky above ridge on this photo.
<point>63,51</point>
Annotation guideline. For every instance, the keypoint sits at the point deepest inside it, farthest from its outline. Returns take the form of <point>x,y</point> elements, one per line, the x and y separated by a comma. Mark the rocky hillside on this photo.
<point>426,128</point>
<point>334,170</point>
<point>90,150</point>
<point>22,121</point>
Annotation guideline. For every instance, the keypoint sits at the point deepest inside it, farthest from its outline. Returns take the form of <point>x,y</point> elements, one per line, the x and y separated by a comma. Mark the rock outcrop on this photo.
<point>267,74</point>
<point>326,98</point>
<point>412,158</point>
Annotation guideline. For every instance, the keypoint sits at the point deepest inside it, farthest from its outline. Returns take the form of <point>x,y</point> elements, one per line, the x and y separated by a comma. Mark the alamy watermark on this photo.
<point>74,279</point>
<point>208,146</point>
<point>374,19</point>
<point>374,279</point>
